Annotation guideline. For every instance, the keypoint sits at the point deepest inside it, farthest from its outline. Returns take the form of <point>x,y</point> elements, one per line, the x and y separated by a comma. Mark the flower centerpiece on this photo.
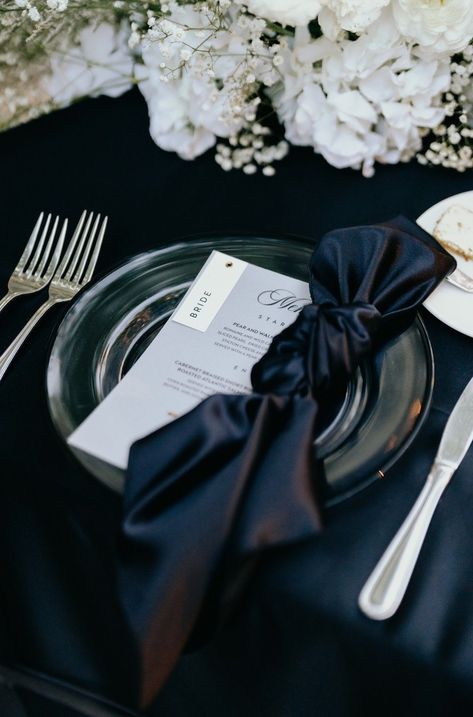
<point>360,81</point>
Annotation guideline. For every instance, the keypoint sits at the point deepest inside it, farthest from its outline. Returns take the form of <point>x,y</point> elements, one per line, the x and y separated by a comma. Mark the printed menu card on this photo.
<point>221,328</point>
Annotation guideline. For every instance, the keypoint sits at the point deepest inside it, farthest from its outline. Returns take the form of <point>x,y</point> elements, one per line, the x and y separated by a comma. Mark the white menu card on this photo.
<point>222,327</point>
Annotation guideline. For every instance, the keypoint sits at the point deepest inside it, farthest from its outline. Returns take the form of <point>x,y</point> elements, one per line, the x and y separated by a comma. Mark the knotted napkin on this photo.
<point>209,493</point>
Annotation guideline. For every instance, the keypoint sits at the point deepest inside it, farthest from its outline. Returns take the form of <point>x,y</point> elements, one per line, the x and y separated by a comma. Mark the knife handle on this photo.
<point>385,588</point>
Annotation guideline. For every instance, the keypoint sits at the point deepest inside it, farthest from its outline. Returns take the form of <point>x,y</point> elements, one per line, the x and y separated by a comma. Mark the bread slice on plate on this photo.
<point>454,230</point>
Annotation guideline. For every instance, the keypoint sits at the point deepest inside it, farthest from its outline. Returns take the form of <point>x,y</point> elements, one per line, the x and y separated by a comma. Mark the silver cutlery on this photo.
<point>461,280</point>
<point>38,261</point>
<point>73,273</point>
<point>387,584</point>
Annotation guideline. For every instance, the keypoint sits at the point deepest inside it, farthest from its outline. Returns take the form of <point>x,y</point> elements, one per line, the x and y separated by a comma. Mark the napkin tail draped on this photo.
<point>235,478</point>
<point>208,494</point>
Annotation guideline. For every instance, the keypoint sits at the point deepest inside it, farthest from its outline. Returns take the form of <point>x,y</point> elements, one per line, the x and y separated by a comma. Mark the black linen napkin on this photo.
<point>207,494</point>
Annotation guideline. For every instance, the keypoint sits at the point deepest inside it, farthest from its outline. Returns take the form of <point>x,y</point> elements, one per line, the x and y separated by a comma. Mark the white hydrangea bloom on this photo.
<point>184,111</point>
<point>443,26</point>
<point>351,15</point>
<point>171,126</point>
<point>287,12</point>
<point>337,127</point>
<point>100,64</point>
<point>185,114</point>
<point>367,101</point>
<point>207,97</point>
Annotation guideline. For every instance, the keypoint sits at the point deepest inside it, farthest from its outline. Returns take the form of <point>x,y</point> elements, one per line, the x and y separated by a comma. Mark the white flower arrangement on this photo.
<point>360,81</point>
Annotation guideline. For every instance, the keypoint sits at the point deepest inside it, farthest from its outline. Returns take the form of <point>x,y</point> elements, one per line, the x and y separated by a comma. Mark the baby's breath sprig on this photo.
<point>231,72</point>
<point>255,147</point>
<point>452,143</point>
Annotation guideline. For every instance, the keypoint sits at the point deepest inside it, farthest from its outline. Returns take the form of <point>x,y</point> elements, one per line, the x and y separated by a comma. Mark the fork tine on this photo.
<point>38,270</point>
<point>31,242</point>
<point>85,255</point>
<point>56,254</point>
<point>78,250</point>
<point>39,247</point>
<point>95,254</point>
<point>65,260</point>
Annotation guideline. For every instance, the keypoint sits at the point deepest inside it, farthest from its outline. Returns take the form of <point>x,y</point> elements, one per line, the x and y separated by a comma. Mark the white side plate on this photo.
<point>448,303</point>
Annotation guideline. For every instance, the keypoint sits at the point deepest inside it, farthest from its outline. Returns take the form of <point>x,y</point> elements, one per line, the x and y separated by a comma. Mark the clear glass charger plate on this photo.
<point>368,426</point>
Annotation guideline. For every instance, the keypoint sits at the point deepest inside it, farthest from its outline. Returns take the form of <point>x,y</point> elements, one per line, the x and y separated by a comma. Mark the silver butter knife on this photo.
<point>461,280</point>
<point>387,584</point>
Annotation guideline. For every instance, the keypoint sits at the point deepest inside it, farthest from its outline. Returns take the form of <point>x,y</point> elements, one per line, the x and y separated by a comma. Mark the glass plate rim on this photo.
<point>273,237</point>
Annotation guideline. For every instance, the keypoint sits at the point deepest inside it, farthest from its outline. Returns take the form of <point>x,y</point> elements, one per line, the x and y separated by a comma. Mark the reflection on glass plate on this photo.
<point>364,431</point>
<point>448,303</point>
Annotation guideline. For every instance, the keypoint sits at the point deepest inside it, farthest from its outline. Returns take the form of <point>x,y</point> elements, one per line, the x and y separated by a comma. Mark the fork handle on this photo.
<point>7,298</point>
<point>387,584</point>
<point>9,354</point>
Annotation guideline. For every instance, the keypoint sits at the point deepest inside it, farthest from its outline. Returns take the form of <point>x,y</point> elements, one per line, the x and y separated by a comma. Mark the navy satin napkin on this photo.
<point>207,494</point>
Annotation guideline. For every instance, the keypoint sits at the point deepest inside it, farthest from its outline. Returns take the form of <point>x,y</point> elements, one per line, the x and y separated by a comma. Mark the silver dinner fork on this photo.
<point>73,273</point>
<point>38,261</point>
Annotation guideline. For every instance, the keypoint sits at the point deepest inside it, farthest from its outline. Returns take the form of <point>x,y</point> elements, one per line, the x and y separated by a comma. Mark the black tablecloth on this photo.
<point>298,645</point>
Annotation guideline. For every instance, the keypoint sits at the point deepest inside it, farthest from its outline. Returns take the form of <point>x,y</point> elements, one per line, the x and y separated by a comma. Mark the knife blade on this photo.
<point>385,588</point>
<point>461,280</point>
<point>458,432</point>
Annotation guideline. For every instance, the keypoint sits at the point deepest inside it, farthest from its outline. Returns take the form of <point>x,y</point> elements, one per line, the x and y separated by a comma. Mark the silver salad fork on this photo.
<point>38,261</point>
<point>73,273</point>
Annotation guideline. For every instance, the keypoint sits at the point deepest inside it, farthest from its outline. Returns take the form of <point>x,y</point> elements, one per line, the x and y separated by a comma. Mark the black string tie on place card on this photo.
<point>207,494</point>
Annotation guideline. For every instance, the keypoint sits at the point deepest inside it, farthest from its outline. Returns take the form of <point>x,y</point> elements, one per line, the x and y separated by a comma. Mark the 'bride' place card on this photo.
<point>221,328</point>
